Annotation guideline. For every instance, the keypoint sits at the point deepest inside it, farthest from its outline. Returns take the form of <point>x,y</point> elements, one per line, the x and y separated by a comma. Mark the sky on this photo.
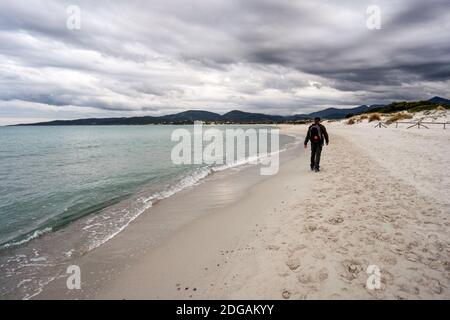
<point>133,58</point>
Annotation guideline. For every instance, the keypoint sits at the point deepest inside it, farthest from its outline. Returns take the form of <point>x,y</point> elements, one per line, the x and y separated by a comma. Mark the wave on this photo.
<point>34,235</point>
<point>190,180</point>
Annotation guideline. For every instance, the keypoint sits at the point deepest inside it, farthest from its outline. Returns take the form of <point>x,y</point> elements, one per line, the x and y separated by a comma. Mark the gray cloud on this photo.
<point>141,57</point>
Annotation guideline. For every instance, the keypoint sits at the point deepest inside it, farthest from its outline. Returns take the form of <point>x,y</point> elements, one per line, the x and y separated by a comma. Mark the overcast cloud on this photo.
<point>163,56</point>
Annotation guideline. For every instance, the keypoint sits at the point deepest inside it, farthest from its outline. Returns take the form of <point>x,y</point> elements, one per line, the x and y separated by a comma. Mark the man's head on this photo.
<point>317,120</point>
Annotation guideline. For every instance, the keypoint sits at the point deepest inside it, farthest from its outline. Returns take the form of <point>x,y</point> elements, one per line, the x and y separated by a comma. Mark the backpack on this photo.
<point>315,133</point>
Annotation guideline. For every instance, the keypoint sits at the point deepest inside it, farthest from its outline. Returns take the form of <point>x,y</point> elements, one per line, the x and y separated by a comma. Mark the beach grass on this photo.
<point>374,117</point>
<point>398,117</point>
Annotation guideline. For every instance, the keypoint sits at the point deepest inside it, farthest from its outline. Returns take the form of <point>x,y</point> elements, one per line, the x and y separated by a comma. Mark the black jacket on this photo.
<point>323,131</point>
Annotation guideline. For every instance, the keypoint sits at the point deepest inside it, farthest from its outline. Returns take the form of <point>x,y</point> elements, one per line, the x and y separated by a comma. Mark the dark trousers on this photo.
<point>316,150</point>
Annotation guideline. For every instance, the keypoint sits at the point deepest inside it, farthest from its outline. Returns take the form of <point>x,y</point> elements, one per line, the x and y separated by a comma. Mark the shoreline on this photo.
<point>71,243</point>
<point>158,221</point>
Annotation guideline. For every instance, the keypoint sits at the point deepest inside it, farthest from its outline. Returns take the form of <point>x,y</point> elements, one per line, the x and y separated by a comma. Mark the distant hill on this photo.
<point>413,106</point>
<point>192,115</point>
<point>241,116</point>
<point>98,121</point>
<point>237,116</point>
<point>334,113</point>
<point>186,117</point>
<point>440,100</point>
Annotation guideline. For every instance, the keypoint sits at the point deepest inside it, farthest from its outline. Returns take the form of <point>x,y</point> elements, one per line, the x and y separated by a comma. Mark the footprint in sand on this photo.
<point>286,294</point>
<point>352,268</point>
<point>342,250</point>
<point>435,286</point>
<point>318,255</point>
<point>273,247</point>
<point>437,265</point>
<point>413,257</point>
<point>311,228</point>
<point>293,248</point>
<point>388,259</point>
<point>293,264</point>
<point>397,250</point>
<point>283,274</point>
<point>333,236</point>
<point>410,290</point>
<point>322,275</point>
<point>336,220</point>
<point>387,278</point>
<point>304,278</point>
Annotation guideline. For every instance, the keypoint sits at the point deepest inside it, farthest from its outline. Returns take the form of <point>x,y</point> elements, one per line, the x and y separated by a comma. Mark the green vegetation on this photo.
<point>415,106</point>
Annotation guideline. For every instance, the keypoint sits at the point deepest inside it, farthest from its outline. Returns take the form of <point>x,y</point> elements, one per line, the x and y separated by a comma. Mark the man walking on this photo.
<point>317,133</point>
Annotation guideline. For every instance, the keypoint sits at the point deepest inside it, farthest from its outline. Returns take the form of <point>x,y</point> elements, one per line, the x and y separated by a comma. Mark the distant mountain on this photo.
<point>186,117</point>
<point>192,115</point>
<point>334,113</point>
<point>440,100</point>
<point>98,121</point>
<point>237,116</point>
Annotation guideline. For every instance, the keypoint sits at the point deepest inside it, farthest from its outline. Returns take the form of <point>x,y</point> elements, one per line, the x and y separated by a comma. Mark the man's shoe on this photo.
<point>312,167</point>
<point>316,169</point>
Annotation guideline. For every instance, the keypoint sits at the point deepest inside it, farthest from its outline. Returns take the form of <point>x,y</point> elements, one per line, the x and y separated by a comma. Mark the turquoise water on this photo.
<point>51,176</point>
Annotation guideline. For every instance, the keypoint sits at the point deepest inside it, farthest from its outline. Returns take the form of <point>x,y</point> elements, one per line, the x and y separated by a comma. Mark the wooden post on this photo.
<point>419,124</point>
<point>380,125</point>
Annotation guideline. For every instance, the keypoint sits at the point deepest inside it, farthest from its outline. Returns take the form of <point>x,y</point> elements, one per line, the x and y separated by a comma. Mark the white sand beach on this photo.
<point>381,199</point>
